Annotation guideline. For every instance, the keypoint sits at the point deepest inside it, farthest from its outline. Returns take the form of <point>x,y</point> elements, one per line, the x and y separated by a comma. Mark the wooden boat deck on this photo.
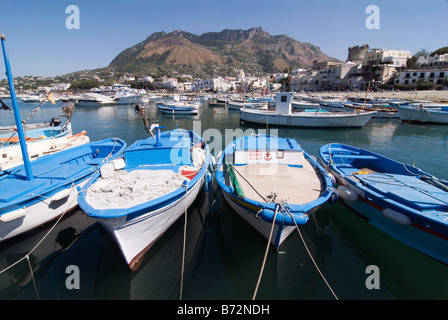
<point>294,184</point>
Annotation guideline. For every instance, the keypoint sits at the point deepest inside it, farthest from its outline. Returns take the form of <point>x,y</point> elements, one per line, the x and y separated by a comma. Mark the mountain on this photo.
<point>225,53</point>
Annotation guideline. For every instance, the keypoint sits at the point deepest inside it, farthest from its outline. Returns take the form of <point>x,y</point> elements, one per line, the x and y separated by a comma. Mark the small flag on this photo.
<point>51,98</point>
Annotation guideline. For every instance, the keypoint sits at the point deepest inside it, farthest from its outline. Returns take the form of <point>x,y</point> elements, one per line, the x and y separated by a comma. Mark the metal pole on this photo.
<point>26,159</point>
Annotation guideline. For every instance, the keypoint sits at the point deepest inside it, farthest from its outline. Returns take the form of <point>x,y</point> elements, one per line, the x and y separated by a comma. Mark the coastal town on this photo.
<point>364,68</point>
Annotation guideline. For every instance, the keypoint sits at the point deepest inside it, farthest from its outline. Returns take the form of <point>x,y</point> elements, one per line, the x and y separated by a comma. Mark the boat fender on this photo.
<point>208,182</point>
<point>346,194</point>
<point>107,170</point>
<point>118,164</point>
<point>397,217</point>
<point>268,215</point>
<point>13,215</point>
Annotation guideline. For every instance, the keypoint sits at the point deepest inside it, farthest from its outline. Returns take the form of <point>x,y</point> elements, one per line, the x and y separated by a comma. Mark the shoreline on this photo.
<point>431,95</point>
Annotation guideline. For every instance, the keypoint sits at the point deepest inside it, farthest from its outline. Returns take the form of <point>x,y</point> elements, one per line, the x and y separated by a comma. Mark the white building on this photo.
<point>394,58</point>
<point>438,60</point>
<point>437,76</point>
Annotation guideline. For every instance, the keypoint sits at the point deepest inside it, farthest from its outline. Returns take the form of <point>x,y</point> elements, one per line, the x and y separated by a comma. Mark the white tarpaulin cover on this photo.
<point>127,189</point>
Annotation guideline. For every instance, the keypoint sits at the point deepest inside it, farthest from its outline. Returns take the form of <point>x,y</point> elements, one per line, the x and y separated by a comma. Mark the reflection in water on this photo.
<point>288,274</point>
<point>224,254</point>
<point>407,273</point>
<point>17,281</point>
<point>159,274</point>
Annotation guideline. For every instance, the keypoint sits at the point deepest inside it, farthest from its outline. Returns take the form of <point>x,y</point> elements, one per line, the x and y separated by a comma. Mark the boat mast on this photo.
<point>26,159</point>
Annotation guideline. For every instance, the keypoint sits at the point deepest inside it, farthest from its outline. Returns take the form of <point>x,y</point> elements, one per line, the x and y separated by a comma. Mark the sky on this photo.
<point>39,43</point>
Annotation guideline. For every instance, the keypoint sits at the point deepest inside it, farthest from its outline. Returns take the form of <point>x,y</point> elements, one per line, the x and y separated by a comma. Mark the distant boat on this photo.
<point>91,99</point>
<point>35,131</point>
<point>32,98</point>
<point>303,105</point>
<point>269,181</point>
<point>238,105</point>
<point>49,141</point>
<point>284,116</point>
<point>398,199</point>
<point>422,114</point>
<point>382,111</point>
<point>158,180</point>
<point>179,107</point>
<point>5,130</point>
<point>126,97</point>
<point>216,103</point>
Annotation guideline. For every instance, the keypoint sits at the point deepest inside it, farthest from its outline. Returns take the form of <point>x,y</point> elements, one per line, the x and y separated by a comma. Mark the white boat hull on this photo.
<point>127,100</point>
<point>430,115</point>
<point>263,227</point>
<point>307,119</point>
<point>40,213</point>
<point>13,155</point>
<point>136,236</point>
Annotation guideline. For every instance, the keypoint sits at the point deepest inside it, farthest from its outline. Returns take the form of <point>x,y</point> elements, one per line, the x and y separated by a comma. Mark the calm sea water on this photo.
<point>224,254</point>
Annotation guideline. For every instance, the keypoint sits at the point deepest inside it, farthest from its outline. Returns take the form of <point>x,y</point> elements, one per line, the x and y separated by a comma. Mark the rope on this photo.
<point>32,276</point>
<point>266,253</point>
<point>35,247</point>
<point>311,256</point>
<point>184,244</point>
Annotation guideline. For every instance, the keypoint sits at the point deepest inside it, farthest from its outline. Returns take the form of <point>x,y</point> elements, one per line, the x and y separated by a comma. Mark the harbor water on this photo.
<point>77,259</point>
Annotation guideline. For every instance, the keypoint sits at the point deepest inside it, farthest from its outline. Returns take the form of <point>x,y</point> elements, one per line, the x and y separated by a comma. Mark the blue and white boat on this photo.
<point>283,115</point>
<point>271,182</point>
<point>179,107</point>
<point>34,194</point>
<point>399,199</point>
<point>422,114</point>
<point>27,202</point>
<point>140,199</point>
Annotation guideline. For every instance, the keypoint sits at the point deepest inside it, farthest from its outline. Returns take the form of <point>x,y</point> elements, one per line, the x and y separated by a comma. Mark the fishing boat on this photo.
<point>399,199</point>
<point>271,182</point>
<point>422,114</point>
<point>12,154</point>
<point>138,200</point>
<point>303,105</point>
<point>179,107</point>
<point>28,201</point>
<point>33,194</point>
<point>41,139</point>
<point>5,130</point>
<point>238,105</point>
<point>216,103</point>
<point>382,110</point>
<point>284,116</point>
<point>53,129</point>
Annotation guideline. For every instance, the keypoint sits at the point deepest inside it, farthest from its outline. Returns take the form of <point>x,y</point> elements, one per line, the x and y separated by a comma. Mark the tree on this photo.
<point>439,51</point>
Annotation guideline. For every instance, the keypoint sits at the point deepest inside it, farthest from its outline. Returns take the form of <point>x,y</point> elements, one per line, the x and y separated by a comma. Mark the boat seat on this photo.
<point>354,156</point>
<point>408,190</point>
<point>15,188</point>
<point>63,172</point>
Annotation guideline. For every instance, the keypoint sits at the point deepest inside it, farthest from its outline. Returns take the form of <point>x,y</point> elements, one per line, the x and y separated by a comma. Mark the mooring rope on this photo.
<point>312,259</point>
<point>36,246</point>
<point>266,253</point>
<point>184,244</point>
